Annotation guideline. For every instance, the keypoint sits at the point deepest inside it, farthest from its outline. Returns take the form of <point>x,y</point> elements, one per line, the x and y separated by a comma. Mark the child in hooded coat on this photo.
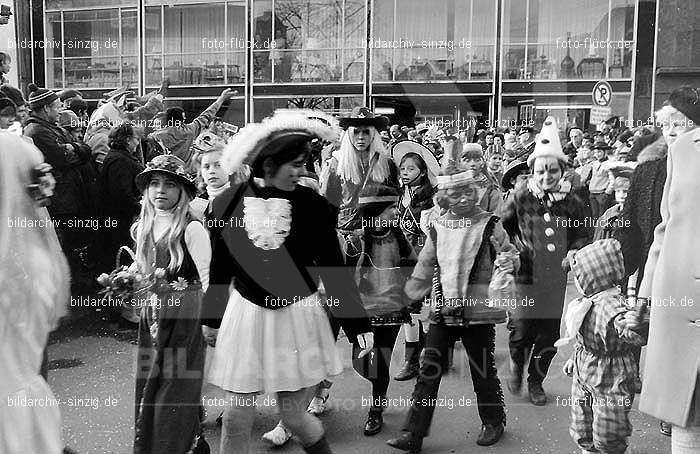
<point>603,366</point>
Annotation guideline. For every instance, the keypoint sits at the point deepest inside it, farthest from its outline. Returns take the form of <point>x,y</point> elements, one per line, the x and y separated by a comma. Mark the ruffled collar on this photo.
<point>562,191</point>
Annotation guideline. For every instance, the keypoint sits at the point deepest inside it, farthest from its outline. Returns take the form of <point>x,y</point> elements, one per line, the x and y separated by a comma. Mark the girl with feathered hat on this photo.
<point>276,240</point>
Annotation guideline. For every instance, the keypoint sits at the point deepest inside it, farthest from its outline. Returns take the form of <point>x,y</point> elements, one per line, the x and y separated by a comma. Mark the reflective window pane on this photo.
<point>53,38</point>
<point>75,4</point>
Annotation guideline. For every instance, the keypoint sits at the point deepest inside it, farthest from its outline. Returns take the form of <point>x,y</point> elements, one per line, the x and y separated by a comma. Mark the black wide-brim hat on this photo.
<point>170,165</point>
<point>513,169</point>
<point>362,116</point>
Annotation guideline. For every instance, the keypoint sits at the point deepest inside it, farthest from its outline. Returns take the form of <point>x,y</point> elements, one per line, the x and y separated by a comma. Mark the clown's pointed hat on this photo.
<point>548,143</point>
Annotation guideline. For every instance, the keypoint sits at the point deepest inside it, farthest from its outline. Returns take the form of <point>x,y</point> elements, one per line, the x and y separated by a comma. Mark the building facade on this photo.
<point>495,61</point>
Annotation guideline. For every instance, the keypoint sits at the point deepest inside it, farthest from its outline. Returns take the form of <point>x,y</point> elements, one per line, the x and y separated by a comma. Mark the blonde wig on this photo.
<point>34,273</point>
<point>349,165</point>
<point>142,232</point>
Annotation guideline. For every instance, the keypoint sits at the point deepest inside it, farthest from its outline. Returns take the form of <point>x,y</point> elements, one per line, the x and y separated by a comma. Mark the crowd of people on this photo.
<point>274,239</point>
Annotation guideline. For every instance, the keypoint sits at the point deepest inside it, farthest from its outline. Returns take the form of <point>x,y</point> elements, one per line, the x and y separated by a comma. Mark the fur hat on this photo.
<point>40,97</point>
<point>472,150</point>
<point>170,165</point>
<point>548,143</point>
<point>69,93</point>
<point>14,94</point>
<point>362,116</point>
<point>253,142</point>
<point>686,100</point>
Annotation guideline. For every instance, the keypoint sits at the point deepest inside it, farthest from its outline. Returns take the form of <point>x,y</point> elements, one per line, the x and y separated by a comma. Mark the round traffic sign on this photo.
<point>602,93</point>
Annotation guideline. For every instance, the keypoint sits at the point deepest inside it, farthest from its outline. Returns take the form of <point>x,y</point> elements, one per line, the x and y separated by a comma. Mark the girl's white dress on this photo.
<point>30,419</point>
<point>263,350</point>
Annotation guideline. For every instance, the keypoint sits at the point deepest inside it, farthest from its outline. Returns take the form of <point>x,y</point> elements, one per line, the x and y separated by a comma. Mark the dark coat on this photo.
<point>120,195</point>
<point>75,176</point>
<point>642,213</point>
<point>310,252</point>
<point>541,276</point>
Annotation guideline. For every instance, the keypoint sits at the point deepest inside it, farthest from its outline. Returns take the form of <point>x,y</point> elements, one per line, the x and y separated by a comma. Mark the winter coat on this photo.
<point>120,195</point>
<point>642,210</point>
<point>545,232</point>
<point>672,279</point>
<point>178,139</point>
<point>72,170</point>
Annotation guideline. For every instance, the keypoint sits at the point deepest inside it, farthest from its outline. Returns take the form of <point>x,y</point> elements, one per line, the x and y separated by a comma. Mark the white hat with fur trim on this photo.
<point>548,143</point>
<point>256,141</point>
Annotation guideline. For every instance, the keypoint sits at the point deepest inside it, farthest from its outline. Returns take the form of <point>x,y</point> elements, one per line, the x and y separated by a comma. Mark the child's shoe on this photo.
<point>318,404</point>
<point>277,436</point>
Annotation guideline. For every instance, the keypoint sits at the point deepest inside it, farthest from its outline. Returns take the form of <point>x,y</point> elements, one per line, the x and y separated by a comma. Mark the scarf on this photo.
<point>576,313</point>
<point>213,192</point>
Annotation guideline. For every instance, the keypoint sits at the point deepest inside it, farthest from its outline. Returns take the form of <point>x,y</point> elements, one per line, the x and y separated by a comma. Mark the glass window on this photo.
<point>679,36</point>
<point>438,40</point>
<point>76,4</point>
<point>264,107</point>
<point>594,43</point>
<point>193,46</point>
<point>309,41</point>
<point>97,48</point>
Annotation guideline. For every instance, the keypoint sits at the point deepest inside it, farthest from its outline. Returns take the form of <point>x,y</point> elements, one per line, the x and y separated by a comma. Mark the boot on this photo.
<point>407,442</point>
<point>537,395</point>
<point>375,421</point>
<point>411,365</point>
<point>490,434</point>
<point>320,447</point>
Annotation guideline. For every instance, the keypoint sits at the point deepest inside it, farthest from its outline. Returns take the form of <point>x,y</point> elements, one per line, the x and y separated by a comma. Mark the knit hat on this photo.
<point>170,165</point>
<point>7,107</point>
<point>548,143</point>
<point>686,100</point>
<point>13,93</point>
<point>40,97</point>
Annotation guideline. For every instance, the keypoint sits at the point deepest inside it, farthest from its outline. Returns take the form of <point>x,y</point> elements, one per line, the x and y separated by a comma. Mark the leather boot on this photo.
<point>407,442</point>
<point>411,365</point>
<point>375,421</point>
<point>320,447</point>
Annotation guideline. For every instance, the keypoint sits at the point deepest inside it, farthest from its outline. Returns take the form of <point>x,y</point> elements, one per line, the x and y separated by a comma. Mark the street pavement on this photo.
<point>92,376</point>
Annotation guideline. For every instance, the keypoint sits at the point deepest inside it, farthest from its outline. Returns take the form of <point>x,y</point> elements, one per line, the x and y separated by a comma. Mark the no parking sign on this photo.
<point>602,93</point>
